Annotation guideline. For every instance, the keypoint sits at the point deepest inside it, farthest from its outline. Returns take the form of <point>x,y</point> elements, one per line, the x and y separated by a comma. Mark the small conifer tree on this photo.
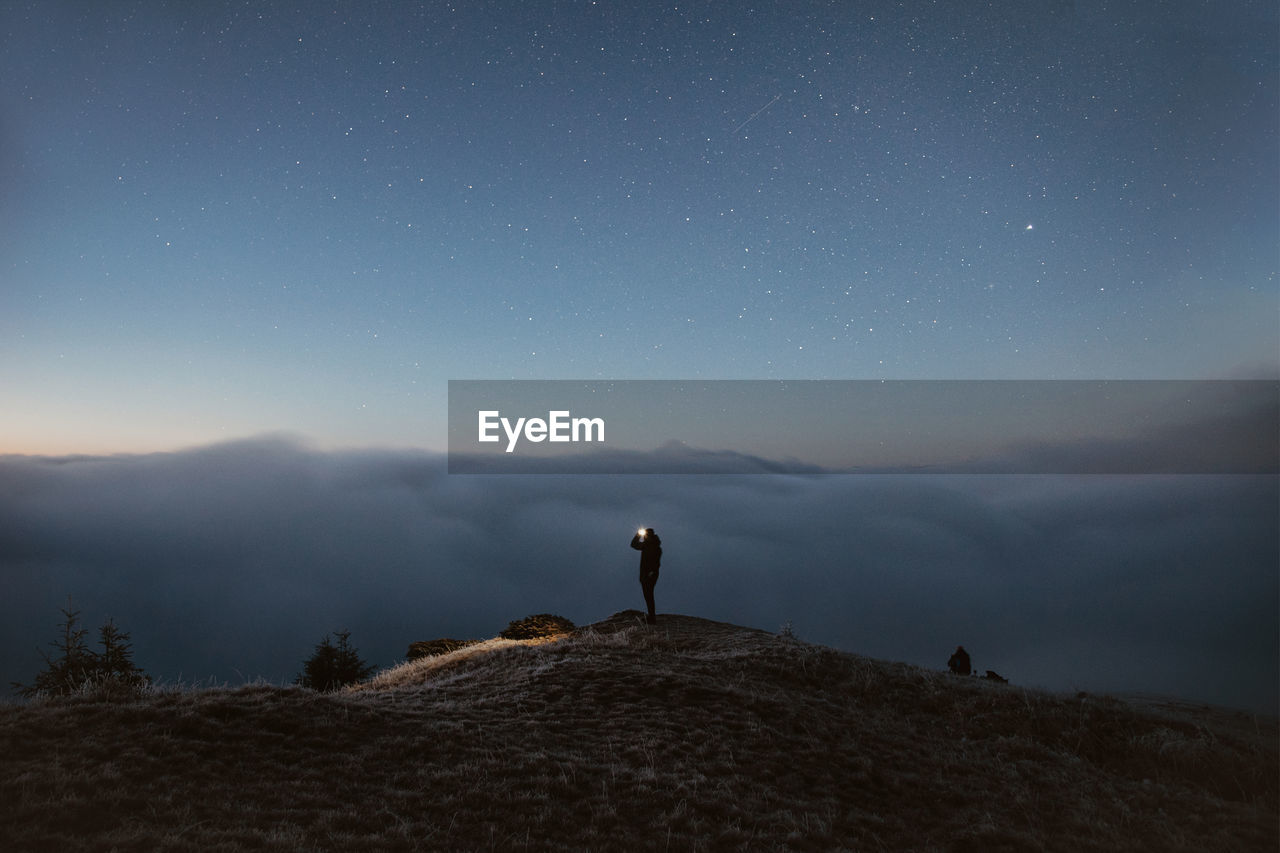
<point>76,666</point>
<point>71,667</point>
<point>115,661</point>
<point>334,666</point>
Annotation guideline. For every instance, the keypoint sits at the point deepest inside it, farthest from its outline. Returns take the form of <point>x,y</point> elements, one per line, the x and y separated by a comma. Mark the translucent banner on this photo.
<point>856,426</point>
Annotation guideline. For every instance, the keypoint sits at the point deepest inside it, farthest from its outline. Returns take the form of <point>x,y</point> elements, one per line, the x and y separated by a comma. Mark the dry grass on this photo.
<point>691,735</point>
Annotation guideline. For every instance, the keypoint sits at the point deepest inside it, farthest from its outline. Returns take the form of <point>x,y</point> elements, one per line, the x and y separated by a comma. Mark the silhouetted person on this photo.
<point>959,662</point>
<point>650,548</point>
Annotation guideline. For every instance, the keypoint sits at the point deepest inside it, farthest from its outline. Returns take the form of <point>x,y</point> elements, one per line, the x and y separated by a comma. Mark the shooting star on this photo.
<point>756,113</point>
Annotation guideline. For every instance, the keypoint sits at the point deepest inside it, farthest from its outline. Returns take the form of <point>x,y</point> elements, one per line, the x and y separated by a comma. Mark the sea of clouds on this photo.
<point>230,562</point>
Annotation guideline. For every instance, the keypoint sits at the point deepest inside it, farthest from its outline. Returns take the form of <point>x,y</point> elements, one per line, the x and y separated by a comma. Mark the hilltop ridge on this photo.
<point>690,735</point>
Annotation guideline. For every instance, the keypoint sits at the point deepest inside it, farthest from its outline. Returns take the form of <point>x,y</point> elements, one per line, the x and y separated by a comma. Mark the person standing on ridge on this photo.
<point>959,662</point>
<point>650,547</point>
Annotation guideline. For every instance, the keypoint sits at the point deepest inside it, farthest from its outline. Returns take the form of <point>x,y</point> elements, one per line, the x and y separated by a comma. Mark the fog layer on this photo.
<point>230,562</point>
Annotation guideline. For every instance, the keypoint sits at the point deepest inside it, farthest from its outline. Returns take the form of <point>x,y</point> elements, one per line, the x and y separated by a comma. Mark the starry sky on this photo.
<point>222,219</point>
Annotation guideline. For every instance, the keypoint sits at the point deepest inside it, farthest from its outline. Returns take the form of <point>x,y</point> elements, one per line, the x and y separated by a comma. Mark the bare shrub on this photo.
<point>540,625</point>
<point>431,648</point>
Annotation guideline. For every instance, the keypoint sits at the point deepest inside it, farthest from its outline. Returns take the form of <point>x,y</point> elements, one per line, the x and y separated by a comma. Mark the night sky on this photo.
<point>239,238</point>
<point>221,219</point>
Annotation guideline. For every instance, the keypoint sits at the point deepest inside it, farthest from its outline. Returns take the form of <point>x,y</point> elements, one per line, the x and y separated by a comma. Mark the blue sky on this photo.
<point>231,219</point>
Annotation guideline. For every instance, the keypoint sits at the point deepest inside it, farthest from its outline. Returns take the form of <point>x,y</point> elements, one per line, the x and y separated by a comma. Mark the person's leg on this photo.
<point>647,583</point>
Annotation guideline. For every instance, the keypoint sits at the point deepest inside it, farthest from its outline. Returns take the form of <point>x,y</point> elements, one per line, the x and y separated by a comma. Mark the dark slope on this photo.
<point>689,735</point>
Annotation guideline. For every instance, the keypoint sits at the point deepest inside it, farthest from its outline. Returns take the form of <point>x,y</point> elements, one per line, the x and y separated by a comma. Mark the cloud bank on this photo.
<point>230,562</point>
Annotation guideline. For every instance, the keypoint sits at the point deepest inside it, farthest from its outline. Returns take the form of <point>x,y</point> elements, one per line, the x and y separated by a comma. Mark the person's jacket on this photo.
<point>650,548</point>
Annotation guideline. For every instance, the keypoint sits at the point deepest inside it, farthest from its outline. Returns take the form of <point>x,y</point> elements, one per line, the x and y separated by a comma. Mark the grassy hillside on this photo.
<point>690,735</point>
